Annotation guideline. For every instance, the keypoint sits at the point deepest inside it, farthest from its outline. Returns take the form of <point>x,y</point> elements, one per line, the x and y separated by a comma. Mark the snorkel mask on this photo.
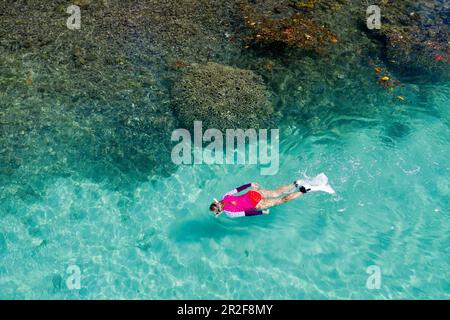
<point>218,213</point>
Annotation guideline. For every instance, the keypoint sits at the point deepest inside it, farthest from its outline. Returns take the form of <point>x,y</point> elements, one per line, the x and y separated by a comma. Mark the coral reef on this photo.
<point>222,97</point>
<point>92,96</point>
<point>99,98</point>
<point>415,34</point>
<point>295,30</point>
<point>297,77</point>
<point>190,30</point>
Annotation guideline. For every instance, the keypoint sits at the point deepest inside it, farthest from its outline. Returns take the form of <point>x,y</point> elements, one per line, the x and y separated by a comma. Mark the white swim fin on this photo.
<point>318,183</point>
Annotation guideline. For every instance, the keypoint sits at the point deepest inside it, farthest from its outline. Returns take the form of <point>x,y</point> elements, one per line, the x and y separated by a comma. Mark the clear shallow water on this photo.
<point>390,170</point>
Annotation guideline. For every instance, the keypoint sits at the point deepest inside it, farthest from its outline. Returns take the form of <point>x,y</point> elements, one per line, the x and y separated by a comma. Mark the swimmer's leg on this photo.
<point>276,193</point>
<point>267,203</point>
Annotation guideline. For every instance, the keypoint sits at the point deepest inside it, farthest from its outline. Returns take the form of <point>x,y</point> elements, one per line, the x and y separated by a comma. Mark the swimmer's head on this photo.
<point>215,207</point>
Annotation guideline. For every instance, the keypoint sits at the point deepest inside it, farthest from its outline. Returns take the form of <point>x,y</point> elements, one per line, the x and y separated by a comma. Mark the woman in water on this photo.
<point>255,201</point>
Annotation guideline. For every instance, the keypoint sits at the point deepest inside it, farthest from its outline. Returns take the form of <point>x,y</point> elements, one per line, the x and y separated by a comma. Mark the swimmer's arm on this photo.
<point>243,187</point>
<point>238,189</point>
<point>255,212</point>
<point>236,214</point>
<point>245,213</point>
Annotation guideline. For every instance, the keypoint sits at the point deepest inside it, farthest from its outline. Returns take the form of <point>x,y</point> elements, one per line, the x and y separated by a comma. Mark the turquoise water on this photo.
<point>156,239</point>
<point>86,181</point>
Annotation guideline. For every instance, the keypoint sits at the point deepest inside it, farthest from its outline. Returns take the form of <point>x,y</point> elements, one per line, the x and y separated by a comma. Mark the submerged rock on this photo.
<point>222,97</point>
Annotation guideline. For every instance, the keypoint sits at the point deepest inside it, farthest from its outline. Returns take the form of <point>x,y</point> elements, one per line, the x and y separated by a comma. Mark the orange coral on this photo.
<point>296,30</point>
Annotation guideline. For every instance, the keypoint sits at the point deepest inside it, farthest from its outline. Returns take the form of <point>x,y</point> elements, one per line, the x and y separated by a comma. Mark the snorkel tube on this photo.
<point>219,213</point>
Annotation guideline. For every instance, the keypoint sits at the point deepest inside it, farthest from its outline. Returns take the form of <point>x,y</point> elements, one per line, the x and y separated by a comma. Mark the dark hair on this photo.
<point>213,207</point>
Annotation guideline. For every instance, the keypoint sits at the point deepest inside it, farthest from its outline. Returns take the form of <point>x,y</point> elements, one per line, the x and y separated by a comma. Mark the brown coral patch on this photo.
<point>295,30</point>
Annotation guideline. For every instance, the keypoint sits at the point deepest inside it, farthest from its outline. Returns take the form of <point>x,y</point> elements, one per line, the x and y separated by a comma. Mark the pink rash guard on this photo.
<point>243,205</point>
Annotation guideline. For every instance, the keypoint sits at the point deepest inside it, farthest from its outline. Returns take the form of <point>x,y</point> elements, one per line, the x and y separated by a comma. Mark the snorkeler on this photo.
<point>257,201</point>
